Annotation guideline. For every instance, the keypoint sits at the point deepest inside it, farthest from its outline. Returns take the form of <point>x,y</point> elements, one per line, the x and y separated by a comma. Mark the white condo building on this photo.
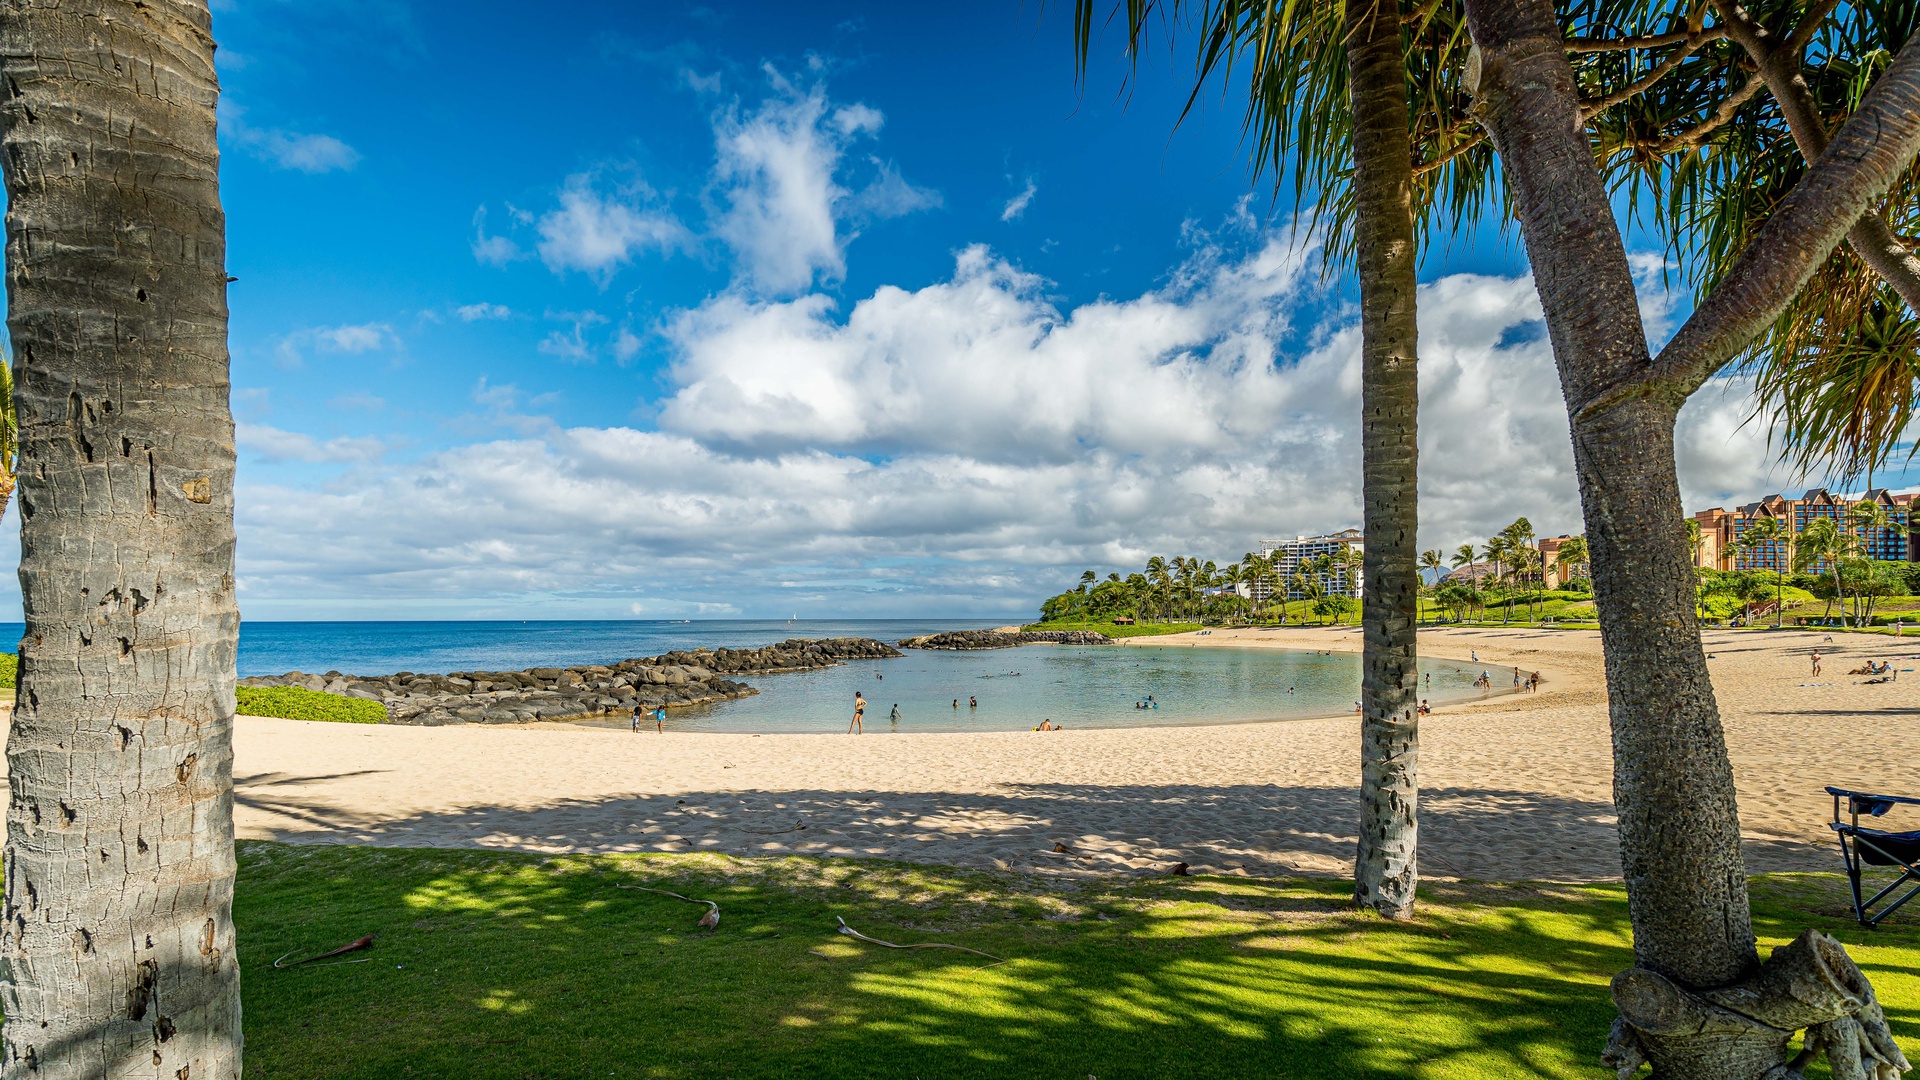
<point>1291,557</point>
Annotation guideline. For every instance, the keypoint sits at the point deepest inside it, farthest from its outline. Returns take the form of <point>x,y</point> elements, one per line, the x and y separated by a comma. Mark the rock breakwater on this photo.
<point>673,679</point>
<point>995,639</point>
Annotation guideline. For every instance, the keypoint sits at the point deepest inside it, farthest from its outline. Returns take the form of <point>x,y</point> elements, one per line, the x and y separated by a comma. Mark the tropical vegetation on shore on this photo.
<point>299,703</point>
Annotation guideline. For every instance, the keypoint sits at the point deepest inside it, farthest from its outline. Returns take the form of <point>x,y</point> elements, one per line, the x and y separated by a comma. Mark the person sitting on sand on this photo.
<point>859,710</point>
<point>1045,725</point>
<point>1425,709</point>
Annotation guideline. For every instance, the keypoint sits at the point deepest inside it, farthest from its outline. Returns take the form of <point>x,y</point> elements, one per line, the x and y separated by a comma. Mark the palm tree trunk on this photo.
<point>1386,870</point>
<point>1679,826</point>
<point>118,943</point>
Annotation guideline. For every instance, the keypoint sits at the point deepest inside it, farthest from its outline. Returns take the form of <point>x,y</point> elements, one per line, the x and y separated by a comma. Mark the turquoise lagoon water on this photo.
<point>1076,686</point>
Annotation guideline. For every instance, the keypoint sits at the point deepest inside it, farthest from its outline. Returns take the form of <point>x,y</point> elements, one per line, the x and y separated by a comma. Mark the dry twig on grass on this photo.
<point>858,936</point>
<point>709,921</point>
<point>354,946</point>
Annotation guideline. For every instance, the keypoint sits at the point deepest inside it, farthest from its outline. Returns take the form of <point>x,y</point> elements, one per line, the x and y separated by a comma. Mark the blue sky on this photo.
<point>829,309</point>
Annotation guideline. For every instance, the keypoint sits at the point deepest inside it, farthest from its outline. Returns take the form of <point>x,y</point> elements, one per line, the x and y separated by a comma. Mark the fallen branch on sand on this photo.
<point>858,936</point>
<point>709,921</point>
<point>354,946</point>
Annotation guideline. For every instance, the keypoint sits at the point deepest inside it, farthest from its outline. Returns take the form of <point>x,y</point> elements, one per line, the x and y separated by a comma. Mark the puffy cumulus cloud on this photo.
<point>597,233</point>
<point>302,152</point>
<point>968,446</point>
<point>273,444</point>
<point>777,169</point>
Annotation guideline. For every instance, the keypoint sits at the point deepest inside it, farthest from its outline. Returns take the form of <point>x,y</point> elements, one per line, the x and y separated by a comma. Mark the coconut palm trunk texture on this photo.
<point>1386,869</point>
<point>117,956</point>
<point>1699,1003</point>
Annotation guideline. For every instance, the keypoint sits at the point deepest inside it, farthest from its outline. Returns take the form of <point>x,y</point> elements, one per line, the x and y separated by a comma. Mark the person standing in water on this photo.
<point>859,710</point>
<point>893,718</point>
<point>972,702</point>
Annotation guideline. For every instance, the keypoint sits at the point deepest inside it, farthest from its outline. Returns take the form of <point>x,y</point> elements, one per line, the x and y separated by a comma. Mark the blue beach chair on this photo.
<point>1861,846</point>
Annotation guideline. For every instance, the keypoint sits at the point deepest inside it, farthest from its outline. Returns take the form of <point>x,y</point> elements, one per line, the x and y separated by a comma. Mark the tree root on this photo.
<point>1810,985</point>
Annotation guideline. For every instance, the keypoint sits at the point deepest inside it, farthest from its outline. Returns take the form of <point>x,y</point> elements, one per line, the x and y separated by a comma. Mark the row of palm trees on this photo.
<point>1190,589</point>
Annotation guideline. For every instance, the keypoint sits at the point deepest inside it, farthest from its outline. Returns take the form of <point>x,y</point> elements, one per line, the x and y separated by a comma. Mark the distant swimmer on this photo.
<point>956,703</point>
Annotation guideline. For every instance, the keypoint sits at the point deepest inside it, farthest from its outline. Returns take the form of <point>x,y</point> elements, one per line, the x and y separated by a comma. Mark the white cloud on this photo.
<point>493,250</point>
<point>1019,203</point>
<point>777,169</point>
<point>350,339</point>
<point>300,151</point>
<point>307,153</point>
<point>483,310</point>
<point>958,447</point>
<point>274,444</point>
<point>571,345</point>
<point>597,234</point>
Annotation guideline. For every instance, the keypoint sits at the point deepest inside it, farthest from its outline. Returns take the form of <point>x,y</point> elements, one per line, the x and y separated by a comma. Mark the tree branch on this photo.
<point>1779,63</point>
<point>1868,153</point>
<point>1479,136</point>
<point>1649,41</point>
<point>1697,134</point>
<point>1593,108</point>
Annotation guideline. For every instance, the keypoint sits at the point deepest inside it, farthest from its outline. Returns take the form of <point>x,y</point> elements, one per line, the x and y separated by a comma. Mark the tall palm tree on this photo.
<point>1764,534</point>
<point>1464,556</point>
<point>119,955</point>
<point>1494,551</point>
<point>1328,88</point>
<point>1435,560</point>
<point>1519,538</point>
<point>1572,553</point>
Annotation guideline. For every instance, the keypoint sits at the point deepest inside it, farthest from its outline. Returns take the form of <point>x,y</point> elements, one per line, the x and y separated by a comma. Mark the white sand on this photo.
<point>1514,787</point>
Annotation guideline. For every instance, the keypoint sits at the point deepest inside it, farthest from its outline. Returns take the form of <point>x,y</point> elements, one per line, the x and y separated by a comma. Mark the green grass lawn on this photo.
<point>514,966</point>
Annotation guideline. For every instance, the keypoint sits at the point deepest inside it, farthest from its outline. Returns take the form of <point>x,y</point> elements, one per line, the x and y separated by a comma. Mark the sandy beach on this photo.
<point>1514,787</point>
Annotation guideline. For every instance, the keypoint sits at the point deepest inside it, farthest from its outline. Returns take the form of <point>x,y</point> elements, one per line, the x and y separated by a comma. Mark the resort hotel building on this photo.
<point>1722,531</point>
<point>1296,556</point>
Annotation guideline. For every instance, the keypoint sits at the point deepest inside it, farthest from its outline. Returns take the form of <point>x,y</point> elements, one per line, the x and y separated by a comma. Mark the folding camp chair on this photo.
<point>1873,847</point>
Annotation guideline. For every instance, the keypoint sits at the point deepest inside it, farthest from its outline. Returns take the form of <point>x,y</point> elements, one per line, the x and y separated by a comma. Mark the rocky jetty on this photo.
<point>517,697</point>
<point>995,639</point>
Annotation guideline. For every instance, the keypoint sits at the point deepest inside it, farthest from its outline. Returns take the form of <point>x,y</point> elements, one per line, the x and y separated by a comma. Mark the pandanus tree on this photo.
<point>117,956</point>
<point>1699,1004</point>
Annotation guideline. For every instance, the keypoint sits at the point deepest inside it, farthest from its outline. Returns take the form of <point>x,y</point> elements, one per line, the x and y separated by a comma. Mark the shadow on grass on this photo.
<point>513,966</point>
<point>1259,830</point>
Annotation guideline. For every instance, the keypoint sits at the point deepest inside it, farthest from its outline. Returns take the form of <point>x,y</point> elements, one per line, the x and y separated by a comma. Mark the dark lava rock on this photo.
<point>680,678</point>
<point>994,639</point>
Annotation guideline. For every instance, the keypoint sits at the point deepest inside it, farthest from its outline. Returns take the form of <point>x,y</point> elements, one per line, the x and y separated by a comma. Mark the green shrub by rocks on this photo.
<point>299,703</point>
<point>9,670</point>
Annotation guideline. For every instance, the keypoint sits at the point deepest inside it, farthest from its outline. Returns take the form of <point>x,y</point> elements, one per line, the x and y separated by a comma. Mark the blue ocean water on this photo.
<point>382,648</point>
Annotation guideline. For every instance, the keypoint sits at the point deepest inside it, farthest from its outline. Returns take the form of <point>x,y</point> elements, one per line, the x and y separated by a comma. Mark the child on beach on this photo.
<point>638,711</point>
<point>660,719</point>
<point>1816,661</point>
